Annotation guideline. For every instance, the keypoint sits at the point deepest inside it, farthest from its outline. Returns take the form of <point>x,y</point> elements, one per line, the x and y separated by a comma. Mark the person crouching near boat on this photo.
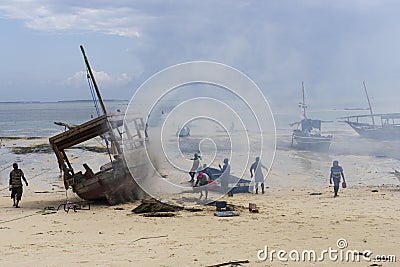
<point>336,175</point>
<point>16,184</point>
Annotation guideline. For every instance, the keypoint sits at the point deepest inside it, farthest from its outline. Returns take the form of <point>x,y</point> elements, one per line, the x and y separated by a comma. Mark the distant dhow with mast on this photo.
<point>307,135</point>
<point>381,126</point>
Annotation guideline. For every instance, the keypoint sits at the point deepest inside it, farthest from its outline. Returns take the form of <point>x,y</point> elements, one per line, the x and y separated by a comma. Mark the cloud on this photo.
<point>78,79</point>
<point>59,16</point>
<point>331,45</point>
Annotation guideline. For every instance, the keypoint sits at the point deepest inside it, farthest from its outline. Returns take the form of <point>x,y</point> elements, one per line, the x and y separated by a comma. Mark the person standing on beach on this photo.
<point>336,175</point>
<point>259,176</point>
<point>225,176</point>
<point>16,184</point>
<point>196,164</point>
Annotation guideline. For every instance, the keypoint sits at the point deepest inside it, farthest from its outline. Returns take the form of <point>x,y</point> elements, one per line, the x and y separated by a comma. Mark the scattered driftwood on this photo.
<point>230,263</point>
<point>159,214</point>
<point>193,209</point>
<point>149,237</point>
<point>153,205</point>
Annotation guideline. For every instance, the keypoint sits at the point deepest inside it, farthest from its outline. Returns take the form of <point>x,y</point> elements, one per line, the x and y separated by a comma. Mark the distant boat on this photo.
<point>308,135</point>
<point>183,132</point>
<point>397,174</point>
<point>384,126</point>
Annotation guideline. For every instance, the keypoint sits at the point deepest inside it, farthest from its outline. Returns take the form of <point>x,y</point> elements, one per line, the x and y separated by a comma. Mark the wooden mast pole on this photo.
<point>304,101</point>
<point>103,107</point>
<point>369,104</point>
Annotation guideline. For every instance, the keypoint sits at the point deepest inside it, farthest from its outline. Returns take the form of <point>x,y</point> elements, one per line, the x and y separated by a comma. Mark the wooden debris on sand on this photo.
<point>230,263</point>
<point>154,205</point>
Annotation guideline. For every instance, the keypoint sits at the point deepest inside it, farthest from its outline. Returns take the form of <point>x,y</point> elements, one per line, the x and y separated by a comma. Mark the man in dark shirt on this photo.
<point>16,184</point>
<point>336,174</point>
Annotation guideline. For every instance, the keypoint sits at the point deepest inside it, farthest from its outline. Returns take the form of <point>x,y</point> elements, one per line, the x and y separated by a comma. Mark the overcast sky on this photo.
<point>330,45</point>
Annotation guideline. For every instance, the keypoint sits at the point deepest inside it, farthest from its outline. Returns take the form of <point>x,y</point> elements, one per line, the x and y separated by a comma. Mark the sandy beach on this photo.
<point>292,216</point>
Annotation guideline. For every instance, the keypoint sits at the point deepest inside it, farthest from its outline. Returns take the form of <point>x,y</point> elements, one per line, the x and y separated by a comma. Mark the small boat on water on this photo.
<point>307,135</point>
<point>397,174</point>
<point>114,181</point>
<point>183,132</point>
<point>383,126</point>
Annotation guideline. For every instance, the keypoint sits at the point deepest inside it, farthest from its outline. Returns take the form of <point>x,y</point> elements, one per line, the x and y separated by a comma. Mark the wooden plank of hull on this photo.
<point>81,133</point>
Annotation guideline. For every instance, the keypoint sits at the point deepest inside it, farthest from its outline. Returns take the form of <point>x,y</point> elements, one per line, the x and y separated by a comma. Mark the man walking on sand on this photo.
<point>16,184</point>
<point>336,174</point>
<point>259,176</point>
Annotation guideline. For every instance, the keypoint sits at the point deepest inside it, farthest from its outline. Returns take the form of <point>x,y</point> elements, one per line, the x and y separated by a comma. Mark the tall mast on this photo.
<point>103,107</point>
<point>369,104</point>
<point>304,101</point>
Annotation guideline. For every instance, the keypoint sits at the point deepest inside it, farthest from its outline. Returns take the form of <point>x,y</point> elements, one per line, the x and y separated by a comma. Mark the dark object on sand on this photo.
<point>159,214</point>
<point>230,263</point>
<point>149,237</point>
<point>253,208</point>
<point>82,205</point>
<point>153,205</point>
<point>114,181</point>
<point>220,205</point>
<point>375,191</point>
<point>235,184</point>
<point>315,194</point>
<point>308,136</point>
<point>226,213</point>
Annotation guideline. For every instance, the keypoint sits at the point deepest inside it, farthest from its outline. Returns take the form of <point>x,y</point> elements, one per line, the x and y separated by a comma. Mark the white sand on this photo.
<point>289,219</point>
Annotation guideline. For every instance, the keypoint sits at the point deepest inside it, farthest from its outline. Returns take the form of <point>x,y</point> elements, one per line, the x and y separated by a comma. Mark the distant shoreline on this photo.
<point>60,101</point>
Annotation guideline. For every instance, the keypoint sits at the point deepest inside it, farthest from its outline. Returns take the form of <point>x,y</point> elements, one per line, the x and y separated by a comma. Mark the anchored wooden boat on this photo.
<point>307,135</point>
<point>114,181</point>
<point>384,126</point>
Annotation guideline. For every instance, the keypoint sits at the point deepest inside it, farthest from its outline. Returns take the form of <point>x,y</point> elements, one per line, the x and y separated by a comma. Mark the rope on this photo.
<point>24,157</point>
<point>29,179</point>
<point>93,93</point>
<point>19,218</point>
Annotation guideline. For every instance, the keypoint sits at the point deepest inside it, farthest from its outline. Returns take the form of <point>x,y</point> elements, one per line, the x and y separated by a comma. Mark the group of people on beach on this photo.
<point>204,176</point>
<point>201,173</point>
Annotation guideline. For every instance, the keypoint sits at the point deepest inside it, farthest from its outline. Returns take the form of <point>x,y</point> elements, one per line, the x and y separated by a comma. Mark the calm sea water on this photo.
<point>37,119</point>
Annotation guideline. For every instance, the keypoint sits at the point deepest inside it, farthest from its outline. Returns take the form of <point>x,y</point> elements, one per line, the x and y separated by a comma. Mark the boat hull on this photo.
<point>112,186</point>
<point>312,143</point>
<point>379,133</point>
